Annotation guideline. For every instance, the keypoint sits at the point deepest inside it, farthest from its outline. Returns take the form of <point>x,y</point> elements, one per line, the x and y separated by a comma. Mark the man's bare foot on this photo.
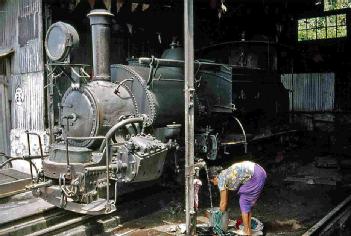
<point>241,232</point>
<point>248,232</point>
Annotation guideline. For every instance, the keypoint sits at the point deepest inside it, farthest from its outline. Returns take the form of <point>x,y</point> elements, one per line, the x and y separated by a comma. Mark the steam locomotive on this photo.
<point>119,130</point>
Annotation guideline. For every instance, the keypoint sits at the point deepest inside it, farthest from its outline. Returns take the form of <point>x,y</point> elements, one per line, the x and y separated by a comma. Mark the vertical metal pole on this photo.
<point>67,155</point>
<point>108,150</point>
<point>189,116</point>
<point>49,75</point>
<point>50,103</point>
<point>29,155</point>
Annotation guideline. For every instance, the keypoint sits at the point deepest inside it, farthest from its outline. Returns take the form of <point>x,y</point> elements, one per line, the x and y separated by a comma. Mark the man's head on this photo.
<point>213,173</point>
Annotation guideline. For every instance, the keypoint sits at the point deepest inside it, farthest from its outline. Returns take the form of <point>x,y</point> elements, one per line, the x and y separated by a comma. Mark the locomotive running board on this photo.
<point>52,195</point>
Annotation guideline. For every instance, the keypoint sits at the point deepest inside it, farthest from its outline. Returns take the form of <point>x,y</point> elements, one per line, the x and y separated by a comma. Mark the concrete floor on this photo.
<point>297,194</point>
<point>286,207</point>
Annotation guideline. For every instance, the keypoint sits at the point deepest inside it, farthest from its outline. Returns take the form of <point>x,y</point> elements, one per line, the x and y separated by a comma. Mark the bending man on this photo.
<point>248,178</point>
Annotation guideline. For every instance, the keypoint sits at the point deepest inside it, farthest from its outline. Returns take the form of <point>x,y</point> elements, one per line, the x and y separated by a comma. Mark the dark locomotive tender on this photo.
<point>128,124</point>
<point>261,101</point>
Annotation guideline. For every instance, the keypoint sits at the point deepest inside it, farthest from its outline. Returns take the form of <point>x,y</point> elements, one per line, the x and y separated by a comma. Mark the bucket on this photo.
<point>256,225</point>
<point>225,218</point>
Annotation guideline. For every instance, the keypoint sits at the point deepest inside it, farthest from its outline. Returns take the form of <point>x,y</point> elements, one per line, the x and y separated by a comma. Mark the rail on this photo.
<point>29,151</point>
<point>244,133</point>
<point>335,220</point>
<point>52,220</point>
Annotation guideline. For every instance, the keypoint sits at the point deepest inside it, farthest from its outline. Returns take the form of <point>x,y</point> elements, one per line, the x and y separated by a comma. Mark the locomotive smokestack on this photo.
<point>100,21</point>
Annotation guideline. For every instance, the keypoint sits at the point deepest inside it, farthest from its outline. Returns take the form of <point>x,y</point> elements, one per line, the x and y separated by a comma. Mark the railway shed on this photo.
<point>113,114</point>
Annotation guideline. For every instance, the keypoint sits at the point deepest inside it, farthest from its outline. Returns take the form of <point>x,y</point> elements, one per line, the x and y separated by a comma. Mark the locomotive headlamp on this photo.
<point>59,41</point>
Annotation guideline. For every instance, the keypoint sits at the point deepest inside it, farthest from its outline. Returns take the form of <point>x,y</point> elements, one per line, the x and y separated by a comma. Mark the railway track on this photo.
<point>336,222</point>
<point>39,224</point>
<point>57,221</point>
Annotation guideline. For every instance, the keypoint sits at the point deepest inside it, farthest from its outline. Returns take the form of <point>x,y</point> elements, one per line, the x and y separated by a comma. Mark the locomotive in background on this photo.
<point>261,100</point>
<point>121,128</point>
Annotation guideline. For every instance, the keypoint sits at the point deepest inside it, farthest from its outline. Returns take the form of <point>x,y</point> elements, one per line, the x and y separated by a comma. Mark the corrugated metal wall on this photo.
<point>4,116</point>
<point>21,28</point>
<point>28,112</point>
<point>8,23</point>
<point>311,92</point>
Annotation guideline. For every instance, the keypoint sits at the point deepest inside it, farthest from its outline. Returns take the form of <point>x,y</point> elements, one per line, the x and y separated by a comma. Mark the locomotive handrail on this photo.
<point>119,125</point>
<point>20,158</point>
<point>244,133</point>
<point>106,144</point>
<point>106,141</point>
<point>151,65</point>
<point>120,84</point>
<point>29,152</point>
<point>86,138</point>
<point>180,63</point>
<point>79,138</point>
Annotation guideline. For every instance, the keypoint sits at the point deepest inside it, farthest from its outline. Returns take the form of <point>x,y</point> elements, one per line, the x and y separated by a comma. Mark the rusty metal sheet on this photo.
<point>24,16</point>
<point>29,53</point>
<point>27,26</point>
<point>27,113</point>
<point>28,101</point>
<point>29,58</point>
<point>312,92</point>
<point>21,30</point>
<point>28,7</point>
<point>8,29</point>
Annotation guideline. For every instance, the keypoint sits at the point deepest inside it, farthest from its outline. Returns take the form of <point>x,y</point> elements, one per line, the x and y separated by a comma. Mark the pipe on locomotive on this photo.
<point>100,21</point>
<point>180,63</point>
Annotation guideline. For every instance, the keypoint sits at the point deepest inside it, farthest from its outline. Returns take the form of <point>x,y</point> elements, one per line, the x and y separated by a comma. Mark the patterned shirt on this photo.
<point>236,175</point>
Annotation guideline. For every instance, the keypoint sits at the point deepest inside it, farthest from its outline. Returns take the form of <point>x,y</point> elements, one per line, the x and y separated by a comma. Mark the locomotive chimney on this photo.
<point>100,21</point>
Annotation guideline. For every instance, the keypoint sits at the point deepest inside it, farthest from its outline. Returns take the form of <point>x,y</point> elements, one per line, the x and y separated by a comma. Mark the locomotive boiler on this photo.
<point>118,130</point>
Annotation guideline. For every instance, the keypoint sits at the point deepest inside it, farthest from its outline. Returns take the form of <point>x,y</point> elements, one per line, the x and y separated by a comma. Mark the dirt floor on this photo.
<point>297,193</point>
